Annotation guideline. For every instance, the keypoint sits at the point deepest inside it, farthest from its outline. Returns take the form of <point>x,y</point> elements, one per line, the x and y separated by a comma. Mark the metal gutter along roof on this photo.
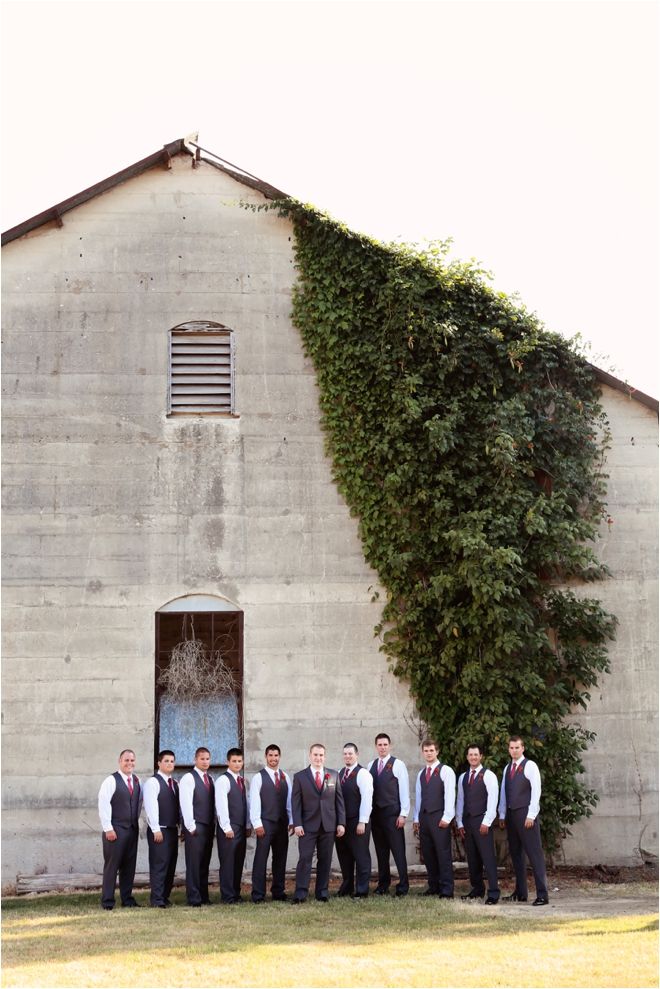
<point>182,146</point>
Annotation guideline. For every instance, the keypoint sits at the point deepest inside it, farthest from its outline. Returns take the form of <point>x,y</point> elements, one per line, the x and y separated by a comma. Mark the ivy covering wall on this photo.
<point>468,441</point>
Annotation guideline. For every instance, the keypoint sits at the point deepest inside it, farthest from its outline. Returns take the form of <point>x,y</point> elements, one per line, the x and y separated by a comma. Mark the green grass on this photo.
<point>53,941</point>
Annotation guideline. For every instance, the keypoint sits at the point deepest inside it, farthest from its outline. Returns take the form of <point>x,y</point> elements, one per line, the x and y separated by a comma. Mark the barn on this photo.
<point>166,483</point>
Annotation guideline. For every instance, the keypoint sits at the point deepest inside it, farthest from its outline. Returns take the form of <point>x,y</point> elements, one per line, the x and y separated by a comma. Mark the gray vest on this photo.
<point>125,804</point>
<point>273,801</point>
<point>433,792</point>
<point>236,802</point>
<point>518,790</point>
<point>475,796</point>
<point>351,792</point>
<point>168,803</point>
<point>386,787</point>
<point>203,800</point>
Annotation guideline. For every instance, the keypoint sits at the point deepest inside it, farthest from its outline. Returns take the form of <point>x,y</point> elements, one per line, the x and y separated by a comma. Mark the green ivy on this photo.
<point>465,438</point>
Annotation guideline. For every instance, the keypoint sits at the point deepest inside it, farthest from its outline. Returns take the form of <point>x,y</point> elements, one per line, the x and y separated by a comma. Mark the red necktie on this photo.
<point>318,780</point>
<point>428,773</point>
<point>513,769</point>
<point>471,777</point>
<point>240,783</point>
<point>380,767</point>
<point>129,781</point>
<point>346,776</point>
<point>206,781</point>
<point>277,780</point>
<point>171,785</point>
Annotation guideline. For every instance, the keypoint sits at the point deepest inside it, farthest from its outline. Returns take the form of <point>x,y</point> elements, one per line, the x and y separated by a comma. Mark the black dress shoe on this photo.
<point>168,903</point>
<point>446,896</point>
<point>297,901</point>
<point>195,905</point>
<point>321,899</point>
<point>131,905</point>
<point>261,900</point>
<point>158,906</point>
<point>490,902</point>
<point>207,903</point>
<point>399,894</point>
<point>381,892</point>
<point>339,895</point>
<point>107,908</point>
<point>359,896</point>
<point>515,897</point>
<point>473,896</point>
<point>283,898</point>
<point>428,892</point>
<point>541,901</point>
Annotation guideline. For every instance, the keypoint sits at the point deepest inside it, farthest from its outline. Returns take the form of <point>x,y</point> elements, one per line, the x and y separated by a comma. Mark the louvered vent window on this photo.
<point>201,369</point>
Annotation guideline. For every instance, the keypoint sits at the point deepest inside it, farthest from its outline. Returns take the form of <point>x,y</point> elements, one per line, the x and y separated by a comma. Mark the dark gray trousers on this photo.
<point>323,842</point>
<point>231,852</point>
<point>435,843</point>
<point>199,847</point>
<point>526,841</point>
<point>480,850</point>
<point>162,864</point>
<point>119,856</point>
<point>277,839</point>
<point>354,855</point>
<point>388,838</point>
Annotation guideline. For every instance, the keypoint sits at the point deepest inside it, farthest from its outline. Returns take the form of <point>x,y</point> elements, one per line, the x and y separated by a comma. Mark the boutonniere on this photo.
<point>282,775</point>
<point>387,768</point>
<point>519,769</point>
<point>436,771</point>
<point>480,776</point>
<point>326,777</point>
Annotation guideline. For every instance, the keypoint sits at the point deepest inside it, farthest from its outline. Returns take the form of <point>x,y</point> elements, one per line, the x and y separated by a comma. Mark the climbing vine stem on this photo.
<point>468,441</point>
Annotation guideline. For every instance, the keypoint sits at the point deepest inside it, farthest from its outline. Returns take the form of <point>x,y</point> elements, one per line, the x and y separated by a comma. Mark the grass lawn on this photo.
<point>52,941</point>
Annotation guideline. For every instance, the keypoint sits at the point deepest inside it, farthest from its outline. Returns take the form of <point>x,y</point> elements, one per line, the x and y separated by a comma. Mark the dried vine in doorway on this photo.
<point>193,672</point>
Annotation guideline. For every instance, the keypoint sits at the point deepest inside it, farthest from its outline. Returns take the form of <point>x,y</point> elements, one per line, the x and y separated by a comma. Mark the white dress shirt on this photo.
<point>255,796</point>
<point>106,793</point>
<point>531,771</point>
<point>151,791</point>
<point>222,785</point>
<point>365,784</point>
<point>490,780</point>
<point>401,773</point>
<point>186,790</point>
<point>448,777</point>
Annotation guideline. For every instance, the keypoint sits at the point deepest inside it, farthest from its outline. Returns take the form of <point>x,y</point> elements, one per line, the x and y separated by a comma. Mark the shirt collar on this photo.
<point>432,765</point>
<point>271,772</point>
<point>232,773</point>
<point>125,777</point>
<point>201,772</point>
<point>475,769</point>
<point>315,771</point>
<point>165,777</point>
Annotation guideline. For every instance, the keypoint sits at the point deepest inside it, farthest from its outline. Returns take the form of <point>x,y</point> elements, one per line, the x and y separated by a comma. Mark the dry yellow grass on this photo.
<point>68,941</point>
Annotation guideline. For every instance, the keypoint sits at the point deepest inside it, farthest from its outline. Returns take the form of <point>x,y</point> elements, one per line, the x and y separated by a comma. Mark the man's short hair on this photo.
<point>382,735</point>
<point>317,745</point>
<point>515,738</point>
<point>234,751</point>
<point>428,742</point>
<point>474,745</point>
<point>350,745</point>
<point>124,751</point>
<point>201,749</point>
<point>161,755</point>
<point>273,748</point>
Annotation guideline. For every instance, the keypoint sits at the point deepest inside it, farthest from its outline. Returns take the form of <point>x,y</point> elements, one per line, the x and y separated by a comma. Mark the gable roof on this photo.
<point>185,146</point>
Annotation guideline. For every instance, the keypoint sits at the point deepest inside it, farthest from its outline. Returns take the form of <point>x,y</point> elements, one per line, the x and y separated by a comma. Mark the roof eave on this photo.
<point>608,379</point>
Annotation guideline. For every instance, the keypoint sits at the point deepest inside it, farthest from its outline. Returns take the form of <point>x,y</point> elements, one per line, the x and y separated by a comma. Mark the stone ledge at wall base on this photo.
<point>69,881</point>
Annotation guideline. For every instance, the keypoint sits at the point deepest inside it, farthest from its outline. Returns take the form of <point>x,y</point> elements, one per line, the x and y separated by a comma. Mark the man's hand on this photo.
<point>248,832</point>
<point>299,831</point>
<point>111,835</point>
<point>529,822</point>
<point>340,830</point>
<point>291,829</point>
<point>443,824</point>
<point>400,822</point>
<point>416,828</point>
<point>461,831</point>
<point>229,834</point>
<point>502,824</point>
<point>158,837</point>
<point>260,832</point>
<point>361,828</point>
<point>483,829</point>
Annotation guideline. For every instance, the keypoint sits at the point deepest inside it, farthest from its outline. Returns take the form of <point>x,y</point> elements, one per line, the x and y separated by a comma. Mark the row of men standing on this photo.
<point>325,809</point>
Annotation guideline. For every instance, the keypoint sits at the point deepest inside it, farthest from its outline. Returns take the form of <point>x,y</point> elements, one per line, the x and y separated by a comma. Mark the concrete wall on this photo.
<point>112,510</point>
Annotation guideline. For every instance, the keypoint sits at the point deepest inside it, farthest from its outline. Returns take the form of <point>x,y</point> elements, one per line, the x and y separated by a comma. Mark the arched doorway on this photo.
<point>202,632</point>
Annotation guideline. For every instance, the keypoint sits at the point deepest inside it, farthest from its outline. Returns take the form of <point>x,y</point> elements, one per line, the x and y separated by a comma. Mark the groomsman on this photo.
<point>270,814</point>
<point>161,803</point>
<point>317,806</point>
<point>435,803</point>
<point>120,805</point>
<point>391,807</point>
<point>197,797</point>
<point>357,787</point>
<point>233,827</point>
<point>476,809</point>
<point>520,799</point>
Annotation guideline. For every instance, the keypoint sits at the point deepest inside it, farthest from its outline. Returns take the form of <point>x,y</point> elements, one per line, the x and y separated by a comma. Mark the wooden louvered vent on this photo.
<point>201,370</point>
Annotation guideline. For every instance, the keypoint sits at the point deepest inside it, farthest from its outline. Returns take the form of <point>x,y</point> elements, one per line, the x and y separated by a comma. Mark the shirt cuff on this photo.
<point>108,828</point>
<point>257,823</point>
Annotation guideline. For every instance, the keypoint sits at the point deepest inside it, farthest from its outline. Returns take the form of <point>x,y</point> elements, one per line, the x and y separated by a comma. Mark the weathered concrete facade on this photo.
<point>112,510</point>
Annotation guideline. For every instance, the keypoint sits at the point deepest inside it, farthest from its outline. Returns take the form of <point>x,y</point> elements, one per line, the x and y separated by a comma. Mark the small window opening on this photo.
<point>201,370</point>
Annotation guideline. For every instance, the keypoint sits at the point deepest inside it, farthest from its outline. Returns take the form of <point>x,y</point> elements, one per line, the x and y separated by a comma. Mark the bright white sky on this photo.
<point>527,131</point>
